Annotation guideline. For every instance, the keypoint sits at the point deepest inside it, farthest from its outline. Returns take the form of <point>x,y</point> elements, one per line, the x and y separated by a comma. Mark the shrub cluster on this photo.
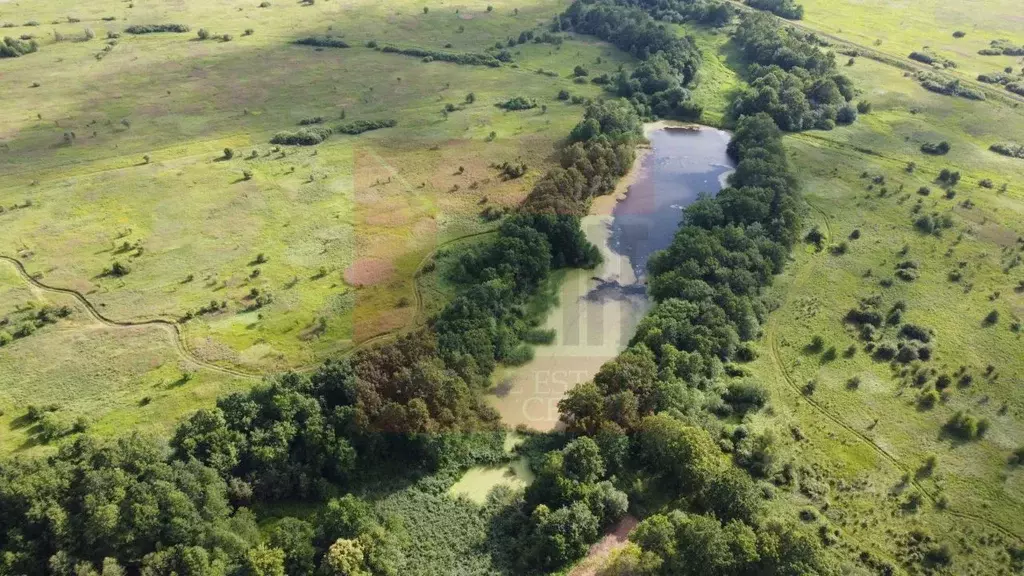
<point>1002,47</point>
<point>310,136</point>
<point>467,58</point>
<point>12,47</point>
<point>932,59</point>
<point>517,103</point>
<point>948,86</point>
<point>360,126</point>
<point>156,28</point>
<point>936,149</point>
<point>322,42</point>
<point>1008,149</point>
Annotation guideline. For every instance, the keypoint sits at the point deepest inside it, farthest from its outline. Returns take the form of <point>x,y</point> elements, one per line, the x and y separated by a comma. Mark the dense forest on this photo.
<point>648,434</point>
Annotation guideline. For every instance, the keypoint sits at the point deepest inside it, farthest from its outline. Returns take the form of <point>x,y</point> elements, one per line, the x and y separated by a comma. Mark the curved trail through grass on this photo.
<point>178,337</point>
<point>776,358</point>
<point>171,326</point>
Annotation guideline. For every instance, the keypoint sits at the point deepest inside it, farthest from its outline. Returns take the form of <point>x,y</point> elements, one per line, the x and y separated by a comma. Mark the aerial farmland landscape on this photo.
<point>586,288</point>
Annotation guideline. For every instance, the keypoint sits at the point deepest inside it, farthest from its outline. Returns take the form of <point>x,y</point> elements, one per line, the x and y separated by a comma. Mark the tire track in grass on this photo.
<point>773,349</point>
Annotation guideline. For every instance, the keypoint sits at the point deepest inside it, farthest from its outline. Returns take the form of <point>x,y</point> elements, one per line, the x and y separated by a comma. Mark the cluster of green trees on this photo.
<point>487,322</point>
<point>708,12</point>
<point>684,544</point>
<point>787,9</point>
<point>156,28</point>
<point>791,78</point>
<point>600,152</point>
<point>467,58</point>
<point>670,62</point>
<point>571,502</point>
<point>394,410</point>
<point>12,47</point>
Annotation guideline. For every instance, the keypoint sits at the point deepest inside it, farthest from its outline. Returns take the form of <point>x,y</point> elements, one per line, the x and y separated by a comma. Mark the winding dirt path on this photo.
<point>174,330</point>
<point>771,336</point>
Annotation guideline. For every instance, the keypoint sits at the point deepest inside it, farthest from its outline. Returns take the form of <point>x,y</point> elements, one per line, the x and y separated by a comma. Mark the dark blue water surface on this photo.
<point>682,164</point>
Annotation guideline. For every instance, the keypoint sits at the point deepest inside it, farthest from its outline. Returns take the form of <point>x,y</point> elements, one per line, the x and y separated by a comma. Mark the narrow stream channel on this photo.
<point>598,310</point>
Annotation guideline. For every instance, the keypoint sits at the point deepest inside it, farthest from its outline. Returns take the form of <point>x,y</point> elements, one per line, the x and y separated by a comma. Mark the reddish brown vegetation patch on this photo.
<point>368,271</point>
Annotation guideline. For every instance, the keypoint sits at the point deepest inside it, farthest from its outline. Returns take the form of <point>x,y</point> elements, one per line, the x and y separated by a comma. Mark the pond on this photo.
<point>598,310</point>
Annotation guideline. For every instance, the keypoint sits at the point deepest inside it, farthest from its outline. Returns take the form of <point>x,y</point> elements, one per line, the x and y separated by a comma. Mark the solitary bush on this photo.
<point>229,153</point>
<point>117,269</point>
<point>155,28</point>
<point>992,318</point>
<point>203,34</point>
<point>517,103</point>
<point>864,107</point>
<point>966,427</point>
<point>959,34</point>
<point>846,115</point>
<point>580,71</point>
<point>927,399</point>
<point>939,149</point>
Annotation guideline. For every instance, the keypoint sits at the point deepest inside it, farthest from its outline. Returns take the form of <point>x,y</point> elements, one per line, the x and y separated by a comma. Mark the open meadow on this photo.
<point>113,150</point>
<point>187,214</point>
<point>872,439</point>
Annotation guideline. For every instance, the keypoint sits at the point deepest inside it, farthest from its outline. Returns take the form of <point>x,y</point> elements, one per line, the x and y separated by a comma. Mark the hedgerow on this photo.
<point>322,42</point>
<point>156,28</point>
<point>360,126</point>
<point>467,58</point>
<point>310,136</point>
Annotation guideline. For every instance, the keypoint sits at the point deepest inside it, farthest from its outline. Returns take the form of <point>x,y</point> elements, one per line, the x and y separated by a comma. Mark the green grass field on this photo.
<point>859,444</point>
<point>343,226</point>
<point>899,28</point>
